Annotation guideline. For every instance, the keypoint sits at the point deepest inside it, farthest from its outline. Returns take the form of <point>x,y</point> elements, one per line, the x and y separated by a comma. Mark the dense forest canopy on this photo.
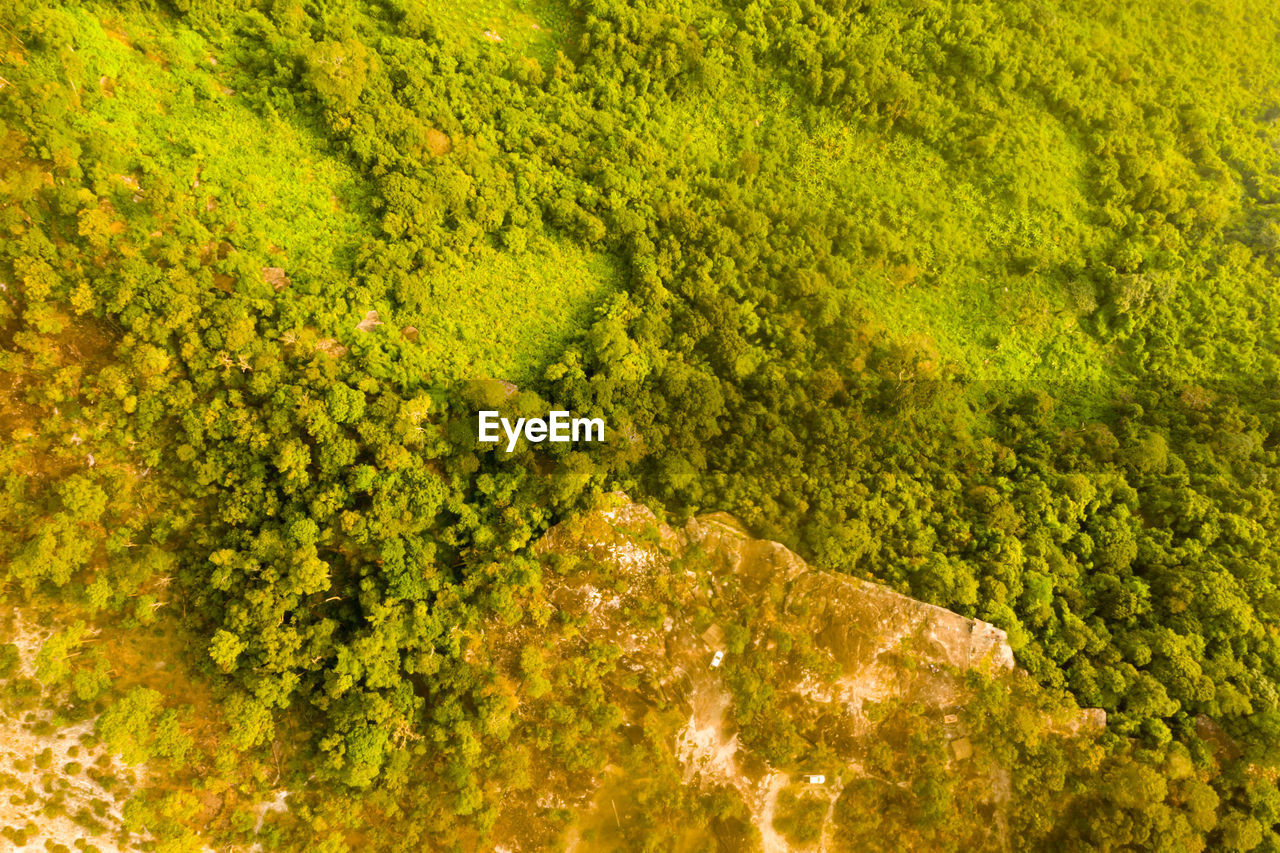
<point>973,299</point>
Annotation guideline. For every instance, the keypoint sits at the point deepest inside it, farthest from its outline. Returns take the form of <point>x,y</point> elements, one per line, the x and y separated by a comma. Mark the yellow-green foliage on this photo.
<point>251,248</point>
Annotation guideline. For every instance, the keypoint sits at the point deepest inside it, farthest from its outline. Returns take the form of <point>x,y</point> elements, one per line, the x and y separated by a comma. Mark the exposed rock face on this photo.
<point>839,602</point>
<point>874,645</point>
<point>852,618</point>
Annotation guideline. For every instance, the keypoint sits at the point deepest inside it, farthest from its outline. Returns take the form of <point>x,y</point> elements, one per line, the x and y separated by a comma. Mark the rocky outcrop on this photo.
<point>825,705</point>
<point>868,646</point>
<point>854,619</point>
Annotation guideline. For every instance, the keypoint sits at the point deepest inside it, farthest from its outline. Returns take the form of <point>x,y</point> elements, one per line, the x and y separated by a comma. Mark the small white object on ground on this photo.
<point>715,661</point>
<point>817,780</point>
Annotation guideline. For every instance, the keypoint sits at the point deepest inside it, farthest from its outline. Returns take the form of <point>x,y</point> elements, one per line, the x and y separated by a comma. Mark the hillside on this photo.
<point>878,693</point>
<point>968,304</point>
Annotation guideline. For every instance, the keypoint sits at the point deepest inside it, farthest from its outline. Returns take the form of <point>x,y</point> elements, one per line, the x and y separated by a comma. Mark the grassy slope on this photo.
<point>953,224</point>
<point>268,181</point>
<point>954,298</point>
<point>500,314</point>
<point>506,315</point>
<point>171,113</point>
<point>510,314</point>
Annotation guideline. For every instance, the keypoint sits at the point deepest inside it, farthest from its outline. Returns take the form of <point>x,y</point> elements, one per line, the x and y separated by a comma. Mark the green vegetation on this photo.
<point>164,115</point>
<point>973,299</point>
<point>799,816</point>
<point>510,314</point>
